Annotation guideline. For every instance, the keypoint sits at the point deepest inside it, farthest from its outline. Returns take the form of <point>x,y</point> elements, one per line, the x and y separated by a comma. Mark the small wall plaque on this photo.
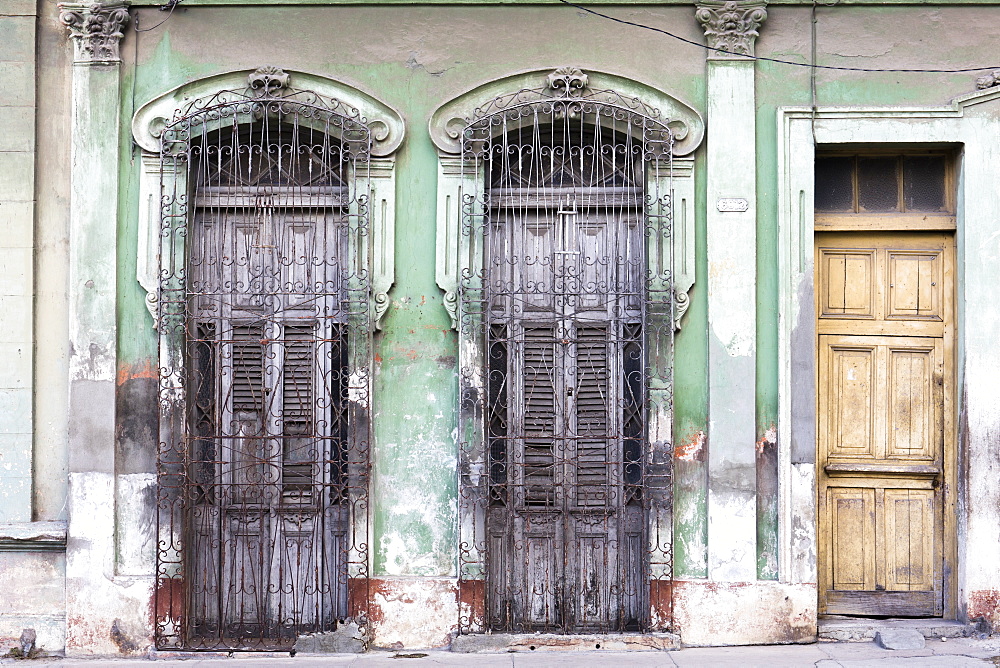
<point>732,204</point>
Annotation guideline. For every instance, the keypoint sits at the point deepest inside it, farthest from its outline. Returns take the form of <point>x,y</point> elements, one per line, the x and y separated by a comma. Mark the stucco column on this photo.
<point>93,595</point>
<point>731,27</point>
<point>17,197</point>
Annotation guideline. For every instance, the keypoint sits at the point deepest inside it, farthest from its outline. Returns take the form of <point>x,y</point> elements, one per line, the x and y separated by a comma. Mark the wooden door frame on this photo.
<point>958,126</point>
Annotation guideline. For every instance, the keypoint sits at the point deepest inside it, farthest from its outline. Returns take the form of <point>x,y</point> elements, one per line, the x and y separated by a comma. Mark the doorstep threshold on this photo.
<point>863,629</point>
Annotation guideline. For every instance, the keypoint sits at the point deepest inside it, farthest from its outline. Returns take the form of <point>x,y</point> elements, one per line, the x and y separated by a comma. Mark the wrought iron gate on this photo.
<point>264,319</point>
<point>571,304</point>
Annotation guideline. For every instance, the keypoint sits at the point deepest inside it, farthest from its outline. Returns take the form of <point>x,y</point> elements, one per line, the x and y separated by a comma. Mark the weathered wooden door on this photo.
<point>566,309</point>
<point>268,518</point>
<point>265,300</point>
<point>567,386</point>
<point>885,327</point>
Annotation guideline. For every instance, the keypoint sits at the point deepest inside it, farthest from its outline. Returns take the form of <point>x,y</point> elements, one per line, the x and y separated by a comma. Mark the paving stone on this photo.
<point>531,642</point>
<point>899,639</point>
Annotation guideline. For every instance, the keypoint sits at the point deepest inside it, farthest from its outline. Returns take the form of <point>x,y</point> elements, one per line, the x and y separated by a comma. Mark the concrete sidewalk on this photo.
<point>947,654</point>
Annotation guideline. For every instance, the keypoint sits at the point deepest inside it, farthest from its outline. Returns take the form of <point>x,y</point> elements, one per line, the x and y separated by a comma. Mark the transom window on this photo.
<point>873,189</point>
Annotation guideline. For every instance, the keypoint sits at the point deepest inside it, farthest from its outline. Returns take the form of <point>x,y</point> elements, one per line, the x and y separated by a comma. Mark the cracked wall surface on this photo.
<point>78,440</point>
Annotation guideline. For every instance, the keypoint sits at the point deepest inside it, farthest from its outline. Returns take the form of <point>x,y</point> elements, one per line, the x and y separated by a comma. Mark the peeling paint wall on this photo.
<point>984,605</point>
<point>767,504</point>
<point>42,574</point>
<point>690,514</point>
<point>733,475</point>
<point>744,613</point>
<point>413,612</point>
<point>414,488</point>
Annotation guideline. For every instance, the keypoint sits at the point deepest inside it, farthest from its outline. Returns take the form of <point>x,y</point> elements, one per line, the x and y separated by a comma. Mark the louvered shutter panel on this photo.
<point>248,377</point>
<point>593,401</point>
<point>298,381</point>
<point>539,388</point>
<point>298,390</point>
<point>247,402</point>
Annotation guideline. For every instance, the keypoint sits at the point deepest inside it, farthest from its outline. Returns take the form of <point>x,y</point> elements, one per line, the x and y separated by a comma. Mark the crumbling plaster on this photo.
<point>744,613</point>
<point>416,70</point>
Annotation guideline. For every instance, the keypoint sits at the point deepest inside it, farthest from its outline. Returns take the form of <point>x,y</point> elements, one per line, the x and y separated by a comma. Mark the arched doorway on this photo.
<point>265,316</point>
<point>568,305</point>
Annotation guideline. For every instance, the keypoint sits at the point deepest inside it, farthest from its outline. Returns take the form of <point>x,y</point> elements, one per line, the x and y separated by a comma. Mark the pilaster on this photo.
<point>17,208</point>
<point>93,596</point>
<point>732,28</point>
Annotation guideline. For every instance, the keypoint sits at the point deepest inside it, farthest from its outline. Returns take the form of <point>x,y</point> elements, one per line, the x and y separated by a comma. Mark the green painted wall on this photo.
<point>691,415</point>
<point>404,60</point>
<point>415,58</point>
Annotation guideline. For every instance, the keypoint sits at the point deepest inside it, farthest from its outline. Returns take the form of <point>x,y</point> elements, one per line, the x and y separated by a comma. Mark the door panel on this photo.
<point>569,521</point>
<point>542,567</point>
<point>852,520</point>
<point>884,323</point>
<point>267,548</point>
<point>913,397</point>
<point>909,539</point>
<point>851,423</point>
<point>566,426</point>
<point>847,286</point>
<point>915,285</point>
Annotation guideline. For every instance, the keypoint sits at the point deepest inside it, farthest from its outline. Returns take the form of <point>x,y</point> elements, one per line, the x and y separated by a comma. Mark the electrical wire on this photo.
<point>812,71</point>
<point>169,5</point>
<point>776,60</point>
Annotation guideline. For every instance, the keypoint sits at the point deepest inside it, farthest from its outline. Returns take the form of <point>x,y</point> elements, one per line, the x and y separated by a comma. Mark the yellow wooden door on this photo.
<point>884,309</point>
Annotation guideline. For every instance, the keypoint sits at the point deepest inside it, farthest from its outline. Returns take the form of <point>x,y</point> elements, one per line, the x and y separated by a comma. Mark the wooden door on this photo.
<point>566,388</point>
<point>885,326</point>
<point>267,540</point>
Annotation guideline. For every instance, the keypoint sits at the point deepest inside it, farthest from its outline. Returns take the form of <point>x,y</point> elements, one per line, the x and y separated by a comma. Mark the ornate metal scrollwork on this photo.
<point>562,84</point>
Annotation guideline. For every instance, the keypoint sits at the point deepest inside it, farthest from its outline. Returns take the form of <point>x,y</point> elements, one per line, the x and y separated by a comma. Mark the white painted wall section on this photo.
<point>17,196</point>
<point>732,510</point>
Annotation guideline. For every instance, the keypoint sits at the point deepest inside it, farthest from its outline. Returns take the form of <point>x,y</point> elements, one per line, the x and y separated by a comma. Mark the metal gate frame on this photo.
<point>566,95</point>
<point>267,99</point>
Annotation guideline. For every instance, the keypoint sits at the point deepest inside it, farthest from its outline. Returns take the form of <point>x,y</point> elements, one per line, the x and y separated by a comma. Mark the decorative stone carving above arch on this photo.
<point>387,131</point>
<point>385,122</point>
<point>449,120</point>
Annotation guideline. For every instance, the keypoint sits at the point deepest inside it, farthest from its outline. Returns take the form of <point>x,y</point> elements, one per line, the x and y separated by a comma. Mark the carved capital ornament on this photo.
<point>96,29</point>
<point>731,25</point>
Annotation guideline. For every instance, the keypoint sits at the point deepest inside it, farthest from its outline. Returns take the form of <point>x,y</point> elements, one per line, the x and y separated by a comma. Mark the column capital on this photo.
<point>96,29</point>
<point>731,25</point>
